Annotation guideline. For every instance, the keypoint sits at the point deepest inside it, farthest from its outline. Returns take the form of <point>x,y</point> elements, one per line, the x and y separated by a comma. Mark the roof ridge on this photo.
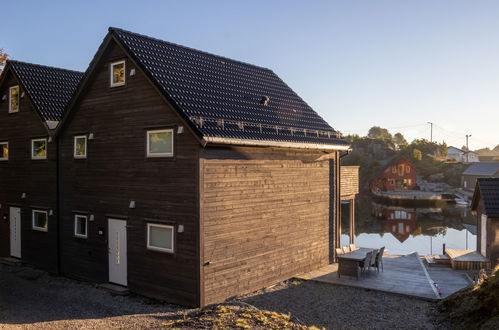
<point>43,66</point>
<point>111,29</point>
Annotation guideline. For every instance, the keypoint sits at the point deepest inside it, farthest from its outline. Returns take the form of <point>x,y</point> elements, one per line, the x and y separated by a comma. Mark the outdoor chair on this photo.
<point>374,254</point>
<point>346,249</point>
<point>353,247</point>
<point>379,258</point>
<point>365,263</point>
<point>339,251</point>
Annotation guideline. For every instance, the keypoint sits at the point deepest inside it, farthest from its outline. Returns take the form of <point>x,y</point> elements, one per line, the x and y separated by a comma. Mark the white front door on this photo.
<point>117,252</point>
<point>15,232</point>
<point>483,235</point>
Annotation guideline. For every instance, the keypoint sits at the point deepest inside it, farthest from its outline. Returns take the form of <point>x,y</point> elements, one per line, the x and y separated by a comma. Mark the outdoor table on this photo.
<point>348,263</point>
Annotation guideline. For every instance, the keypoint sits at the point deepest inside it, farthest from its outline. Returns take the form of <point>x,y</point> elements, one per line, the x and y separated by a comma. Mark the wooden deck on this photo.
<point>404,275</point>
<point>467,259</point>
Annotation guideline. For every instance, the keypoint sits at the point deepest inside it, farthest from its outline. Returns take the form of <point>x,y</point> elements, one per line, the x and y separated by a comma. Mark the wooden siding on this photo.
<point>349,181</point>
<point>36,178</point>
<point>117,171</point>
<point>265,218</point>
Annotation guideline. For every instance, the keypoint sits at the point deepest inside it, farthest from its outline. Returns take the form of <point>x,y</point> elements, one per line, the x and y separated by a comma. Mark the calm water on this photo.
<point>403,229</point>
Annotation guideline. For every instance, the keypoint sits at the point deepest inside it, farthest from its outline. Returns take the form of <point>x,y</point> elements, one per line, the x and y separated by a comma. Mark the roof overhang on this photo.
<point>267,143</point>
<point>52,124</point>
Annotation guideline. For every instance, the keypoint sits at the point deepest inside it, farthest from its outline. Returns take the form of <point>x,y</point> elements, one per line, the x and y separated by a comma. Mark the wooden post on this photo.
<point>352,220</point>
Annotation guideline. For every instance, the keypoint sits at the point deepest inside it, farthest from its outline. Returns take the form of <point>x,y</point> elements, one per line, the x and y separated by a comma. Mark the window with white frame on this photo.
<point>4,150</point>
<point>81,223</point>
<point>39,149</point>
<point>14,99</point>
<point>80,146</point>
<point>117,74</point>
<point>160,143</point>
<point>160,237</point>
<point>40,220</point>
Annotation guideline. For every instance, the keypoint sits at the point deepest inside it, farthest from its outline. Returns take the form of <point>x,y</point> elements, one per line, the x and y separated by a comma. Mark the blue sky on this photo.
<point>395,64</point>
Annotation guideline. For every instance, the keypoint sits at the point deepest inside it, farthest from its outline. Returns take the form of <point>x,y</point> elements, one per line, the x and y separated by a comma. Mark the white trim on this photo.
<point>18,98</point>
<point>266,143</point>
<point>156,248</point>
<point>86,226</point>
<point>32,149</point>
<point>111,74</point>
<point>162,154</point>
<point>74,147</point>
<point>33,220</point>
<point>2,144</point>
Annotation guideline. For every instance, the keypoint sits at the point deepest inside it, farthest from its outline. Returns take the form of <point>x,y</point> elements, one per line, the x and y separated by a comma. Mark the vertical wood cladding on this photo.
<point>117,171</point>
<point>265,218</point>
<point>20,174</point>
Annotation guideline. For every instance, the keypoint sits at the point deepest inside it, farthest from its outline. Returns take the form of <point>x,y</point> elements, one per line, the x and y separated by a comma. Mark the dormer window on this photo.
<point>14,99</point>
<point>118,74</point>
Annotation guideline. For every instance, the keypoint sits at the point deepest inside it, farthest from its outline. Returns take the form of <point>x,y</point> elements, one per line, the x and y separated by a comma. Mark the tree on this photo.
<point>416,154</point>
<point>3,58</point>
<point>399,140</point>
<point>379,133</point>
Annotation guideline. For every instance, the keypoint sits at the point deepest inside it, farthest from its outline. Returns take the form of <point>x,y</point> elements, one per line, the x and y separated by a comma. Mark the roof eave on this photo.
<point>269,143</point>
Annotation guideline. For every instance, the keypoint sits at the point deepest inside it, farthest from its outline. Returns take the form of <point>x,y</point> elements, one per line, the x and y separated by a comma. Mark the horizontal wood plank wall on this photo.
<point>349,180</point>
<point>36,178</point>
<point>265,218</point>
<point>117,171</point>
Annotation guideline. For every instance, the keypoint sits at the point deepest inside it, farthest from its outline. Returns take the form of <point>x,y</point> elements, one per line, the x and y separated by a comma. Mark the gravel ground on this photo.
<point>39,301</point>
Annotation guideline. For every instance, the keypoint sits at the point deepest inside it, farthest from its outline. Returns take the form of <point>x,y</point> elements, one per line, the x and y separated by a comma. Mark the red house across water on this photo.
<point>398,174</point>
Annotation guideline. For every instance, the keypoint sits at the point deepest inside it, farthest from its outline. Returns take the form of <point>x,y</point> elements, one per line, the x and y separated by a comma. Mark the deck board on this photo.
<point>404,275</point>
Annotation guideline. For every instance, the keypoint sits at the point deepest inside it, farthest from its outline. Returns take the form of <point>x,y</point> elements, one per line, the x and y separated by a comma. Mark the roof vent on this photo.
<point>265,100</point>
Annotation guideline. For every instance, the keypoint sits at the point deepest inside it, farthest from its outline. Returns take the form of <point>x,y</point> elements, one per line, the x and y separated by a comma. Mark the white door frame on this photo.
<point>483,235</point>
<point>117,246</point>
<point>15,231</point>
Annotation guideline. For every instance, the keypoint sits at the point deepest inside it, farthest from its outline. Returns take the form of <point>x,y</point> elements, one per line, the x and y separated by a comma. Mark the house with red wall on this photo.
<point>398,174</point>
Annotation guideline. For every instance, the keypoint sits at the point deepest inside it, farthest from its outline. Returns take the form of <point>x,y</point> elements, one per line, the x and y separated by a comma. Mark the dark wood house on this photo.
<point>485,205</point>
<point>478,170</point>
<point>33,99</point>
<point>398,174</point>
<point>191,177</point>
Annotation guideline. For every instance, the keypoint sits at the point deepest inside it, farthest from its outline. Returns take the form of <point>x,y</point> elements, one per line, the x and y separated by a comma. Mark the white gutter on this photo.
<point>266,143</point>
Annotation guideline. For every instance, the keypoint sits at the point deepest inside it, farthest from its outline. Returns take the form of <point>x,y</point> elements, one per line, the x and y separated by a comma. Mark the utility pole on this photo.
<point>431,131</point>
<point>467,149</point>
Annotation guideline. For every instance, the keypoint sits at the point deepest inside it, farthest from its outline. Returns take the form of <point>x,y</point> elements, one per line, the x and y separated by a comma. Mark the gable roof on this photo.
<point>488,190</point>
<point>486,169</point>
<point>223,100</point>
<point>48,88</point>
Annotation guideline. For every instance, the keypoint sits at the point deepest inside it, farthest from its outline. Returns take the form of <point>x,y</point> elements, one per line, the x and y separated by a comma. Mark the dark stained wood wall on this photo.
<point>117,171</point>
<point>36,178</point>
<point>264,216</point>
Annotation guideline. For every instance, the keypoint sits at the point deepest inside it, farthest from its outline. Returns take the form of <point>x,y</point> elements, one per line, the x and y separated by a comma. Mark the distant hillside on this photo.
<point>488,152</point>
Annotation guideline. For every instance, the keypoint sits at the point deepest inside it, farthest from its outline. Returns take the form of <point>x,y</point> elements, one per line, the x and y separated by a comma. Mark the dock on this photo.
<point>403,274</point>
<point>467,259</point>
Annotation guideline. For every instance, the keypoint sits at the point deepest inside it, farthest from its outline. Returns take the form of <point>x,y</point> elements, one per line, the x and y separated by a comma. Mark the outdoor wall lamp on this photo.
<point>51,212</point>
<point>23,196</point>
<point>132,204</point>
<point>180,130</point>
<point>180,228</point>
<point>91,136</point>
<point>91,217</point>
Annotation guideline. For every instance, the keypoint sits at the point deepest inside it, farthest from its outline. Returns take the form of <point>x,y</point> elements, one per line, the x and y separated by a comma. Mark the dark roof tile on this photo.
<point>49,88</point>
<point>489,191</point>
<point>223,98</point>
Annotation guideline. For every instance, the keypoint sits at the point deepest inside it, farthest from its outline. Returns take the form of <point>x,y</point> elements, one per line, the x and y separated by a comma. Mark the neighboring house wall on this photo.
<point>399,175</point>
<point>265,216</point>
<point>492,235</point>
<point>469,181</point>
<point>36,178</point>
<point>116,172</point>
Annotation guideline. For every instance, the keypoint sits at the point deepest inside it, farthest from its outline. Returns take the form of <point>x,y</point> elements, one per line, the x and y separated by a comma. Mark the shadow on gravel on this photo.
<point>333,306</point>
<point>31,296</point>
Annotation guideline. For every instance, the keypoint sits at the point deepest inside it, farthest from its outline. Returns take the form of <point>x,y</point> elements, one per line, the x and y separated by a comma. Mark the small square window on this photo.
<point>160,143</point>
<point>40,220</point>
<point>80,146</point>
<point>81,226</point>
<point>160,237</point>
<point>14,99</point>
<point>117,74</point>
<point>39,149</point>
<point>4,150</point>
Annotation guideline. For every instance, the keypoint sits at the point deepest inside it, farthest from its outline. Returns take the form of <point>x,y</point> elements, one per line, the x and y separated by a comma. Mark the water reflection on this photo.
<point>404,229</point>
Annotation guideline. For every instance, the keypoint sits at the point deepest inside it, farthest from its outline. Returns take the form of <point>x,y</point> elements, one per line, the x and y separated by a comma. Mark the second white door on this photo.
<point>117,252</point>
